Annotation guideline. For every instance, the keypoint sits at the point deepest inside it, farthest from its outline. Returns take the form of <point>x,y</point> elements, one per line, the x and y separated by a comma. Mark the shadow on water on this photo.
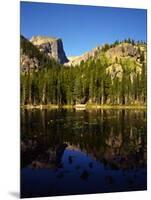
<point>69,152</point>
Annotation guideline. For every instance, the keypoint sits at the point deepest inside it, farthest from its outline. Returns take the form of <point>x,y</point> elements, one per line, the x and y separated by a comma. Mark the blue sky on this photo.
<point>82,27</point>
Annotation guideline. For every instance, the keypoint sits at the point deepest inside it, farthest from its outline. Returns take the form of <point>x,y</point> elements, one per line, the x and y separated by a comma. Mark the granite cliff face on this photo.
<point>29,64</point>
<point>40,52</point>
<point>52,47</point>
<point>126,50</point>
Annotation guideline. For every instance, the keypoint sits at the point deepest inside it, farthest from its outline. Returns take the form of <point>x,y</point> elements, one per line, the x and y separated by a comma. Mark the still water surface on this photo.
<point>67,152</point>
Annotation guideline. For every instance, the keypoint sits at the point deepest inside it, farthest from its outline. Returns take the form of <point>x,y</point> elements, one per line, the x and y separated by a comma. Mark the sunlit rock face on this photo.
<point>76,60</point>
<point>29,64</point>
<point>53,47</point>
<point>123,50</point>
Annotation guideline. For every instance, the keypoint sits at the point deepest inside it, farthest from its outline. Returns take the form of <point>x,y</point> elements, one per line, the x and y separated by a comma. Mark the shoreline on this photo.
<point>82,107</point>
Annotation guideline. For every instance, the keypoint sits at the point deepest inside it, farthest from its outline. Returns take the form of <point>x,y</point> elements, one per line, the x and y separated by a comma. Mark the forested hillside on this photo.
<point>32,59</point>
<point>115,75</point>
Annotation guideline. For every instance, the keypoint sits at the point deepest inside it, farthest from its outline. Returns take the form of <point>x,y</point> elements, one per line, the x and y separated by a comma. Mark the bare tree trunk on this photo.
<point>44,94</point>
<point>102,99</point>
<point>118,100</point>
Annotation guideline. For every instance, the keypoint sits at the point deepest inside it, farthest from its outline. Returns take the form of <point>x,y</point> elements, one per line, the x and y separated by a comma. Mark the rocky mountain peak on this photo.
<point>52,47</point>
<point>38,40</point>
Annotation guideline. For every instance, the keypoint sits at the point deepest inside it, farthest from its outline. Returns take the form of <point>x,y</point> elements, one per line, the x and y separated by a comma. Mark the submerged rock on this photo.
<point>85,174</point>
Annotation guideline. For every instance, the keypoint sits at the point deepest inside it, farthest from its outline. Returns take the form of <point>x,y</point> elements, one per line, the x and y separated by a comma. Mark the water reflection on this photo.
<point>76,152</point>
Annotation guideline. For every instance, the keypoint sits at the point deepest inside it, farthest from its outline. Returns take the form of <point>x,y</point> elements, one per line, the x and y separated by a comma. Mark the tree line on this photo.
<point>88,82</point>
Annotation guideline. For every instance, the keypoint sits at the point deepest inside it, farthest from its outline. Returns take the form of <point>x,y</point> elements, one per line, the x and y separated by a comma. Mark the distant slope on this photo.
<point>120,50</point>
<point>76,60</point>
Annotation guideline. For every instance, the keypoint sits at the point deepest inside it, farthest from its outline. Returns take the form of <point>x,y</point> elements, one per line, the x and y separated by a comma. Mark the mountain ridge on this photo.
<point>50,46</point>
<point>122,49</point>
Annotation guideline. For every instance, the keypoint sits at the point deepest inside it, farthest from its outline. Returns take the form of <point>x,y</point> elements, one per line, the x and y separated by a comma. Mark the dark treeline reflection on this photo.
<point>114,136</point>
<point>79,152</point>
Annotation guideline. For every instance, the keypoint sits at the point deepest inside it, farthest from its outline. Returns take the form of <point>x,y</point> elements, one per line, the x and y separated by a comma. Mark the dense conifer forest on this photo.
<point>95,81</point>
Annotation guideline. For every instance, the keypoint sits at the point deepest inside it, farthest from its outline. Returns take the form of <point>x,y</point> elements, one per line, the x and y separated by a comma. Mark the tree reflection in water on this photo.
<point>85,143</point>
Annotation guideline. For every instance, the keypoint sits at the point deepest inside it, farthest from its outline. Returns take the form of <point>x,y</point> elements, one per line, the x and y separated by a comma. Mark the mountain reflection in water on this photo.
<point>79,152</point>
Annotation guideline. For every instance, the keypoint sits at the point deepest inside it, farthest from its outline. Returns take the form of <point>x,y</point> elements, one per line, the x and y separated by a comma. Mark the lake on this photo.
<point>66,152</point>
